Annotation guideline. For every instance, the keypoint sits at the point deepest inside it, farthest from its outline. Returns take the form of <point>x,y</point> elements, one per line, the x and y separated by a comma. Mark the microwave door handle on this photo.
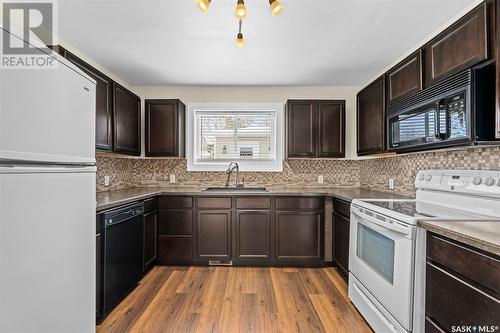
<point>437,123</point>
<point>389,225</point>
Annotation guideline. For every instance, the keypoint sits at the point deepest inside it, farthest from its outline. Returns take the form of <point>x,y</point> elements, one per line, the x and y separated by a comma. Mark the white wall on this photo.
<point>254,94</point>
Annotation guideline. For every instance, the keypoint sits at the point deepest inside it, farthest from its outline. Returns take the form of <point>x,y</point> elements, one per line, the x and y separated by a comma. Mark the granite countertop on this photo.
<point>484,235</point>
<point>110,199</point>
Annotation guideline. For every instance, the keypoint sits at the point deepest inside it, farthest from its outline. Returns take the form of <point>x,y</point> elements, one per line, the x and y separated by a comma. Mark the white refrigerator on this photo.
<point>47,200</point>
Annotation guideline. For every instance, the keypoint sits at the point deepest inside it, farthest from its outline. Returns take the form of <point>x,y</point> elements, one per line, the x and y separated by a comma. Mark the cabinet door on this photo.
<point>175,250</point>
<point>405,78</point>
<point>301,128</point>
<point>104,103</point>
<point>253,235</point>
<point>341,244</point>
<point>213,234</point>
<point>164,128</point>
<point>150,239</point>
<point>127,121</point>
<point>371,118</point>
<point>462,45</point>
<point>298,236</point>
<point>331,136</point>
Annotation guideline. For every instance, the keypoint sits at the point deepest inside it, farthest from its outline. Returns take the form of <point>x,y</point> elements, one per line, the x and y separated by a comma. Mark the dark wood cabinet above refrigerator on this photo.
<point>118,110</point>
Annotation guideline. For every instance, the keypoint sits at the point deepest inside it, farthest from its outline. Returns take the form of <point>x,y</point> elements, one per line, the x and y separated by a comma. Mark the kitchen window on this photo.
<point>249,134</point>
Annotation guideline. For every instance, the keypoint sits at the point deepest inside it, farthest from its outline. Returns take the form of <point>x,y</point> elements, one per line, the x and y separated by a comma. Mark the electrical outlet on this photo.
<point>172,178</point>
<point>106,180</point>
<point>321,179</point>
<point>391,183</point>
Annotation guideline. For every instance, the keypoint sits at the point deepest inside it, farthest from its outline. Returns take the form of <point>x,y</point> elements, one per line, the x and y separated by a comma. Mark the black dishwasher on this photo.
<point>122,253</point>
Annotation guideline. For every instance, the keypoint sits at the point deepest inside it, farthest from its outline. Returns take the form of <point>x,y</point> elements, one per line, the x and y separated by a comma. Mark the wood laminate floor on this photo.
<point>237,299</point>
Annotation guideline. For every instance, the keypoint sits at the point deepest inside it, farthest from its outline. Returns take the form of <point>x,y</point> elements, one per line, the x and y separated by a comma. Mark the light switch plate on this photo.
<point>172,178</point>
<point>106,180</point>
<point>321,179</point>
<point>391,184</point>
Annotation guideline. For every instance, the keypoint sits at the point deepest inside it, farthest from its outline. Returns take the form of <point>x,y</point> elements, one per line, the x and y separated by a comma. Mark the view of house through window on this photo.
<point>232,134</point>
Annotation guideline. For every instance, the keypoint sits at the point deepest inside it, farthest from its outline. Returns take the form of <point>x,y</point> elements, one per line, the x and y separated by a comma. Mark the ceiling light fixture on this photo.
<point>203,4</point>
<point>276,7</point>
<point>240,42</point>
<point>241,12</point>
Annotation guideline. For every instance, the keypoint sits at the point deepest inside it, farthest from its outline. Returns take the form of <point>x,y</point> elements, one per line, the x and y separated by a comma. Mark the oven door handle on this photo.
<point>388,225</point>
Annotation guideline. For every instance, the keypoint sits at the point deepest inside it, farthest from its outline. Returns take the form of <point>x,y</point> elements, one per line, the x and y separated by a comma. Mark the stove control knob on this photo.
<point>489,181</point>
<point>421,177</point>
<point>428,178</point>
<point>477,180</point>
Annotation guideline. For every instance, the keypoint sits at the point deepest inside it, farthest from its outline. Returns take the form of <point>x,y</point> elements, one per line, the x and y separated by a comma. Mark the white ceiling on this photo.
<point>312,42</point>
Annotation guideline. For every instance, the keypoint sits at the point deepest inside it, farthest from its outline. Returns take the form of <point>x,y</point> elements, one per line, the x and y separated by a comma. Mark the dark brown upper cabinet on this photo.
<point>371,118</point>
<point>461,46</point>
<point>405,78</point>
<point>301,137</point>
<point>331,127</point>
<point>104,100</point>
<point>127,121</point>
<point>315,128</point>
<point>165,120</point>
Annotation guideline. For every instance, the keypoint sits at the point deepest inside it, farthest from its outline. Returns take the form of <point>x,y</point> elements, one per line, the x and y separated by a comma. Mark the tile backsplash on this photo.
<point>371,173</point>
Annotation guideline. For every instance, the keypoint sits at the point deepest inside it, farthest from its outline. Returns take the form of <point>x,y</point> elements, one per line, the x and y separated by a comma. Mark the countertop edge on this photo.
<point>100,207</point>
<point>461,237</point>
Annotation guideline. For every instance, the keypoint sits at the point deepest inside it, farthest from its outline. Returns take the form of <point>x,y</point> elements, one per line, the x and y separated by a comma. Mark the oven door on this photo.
<point>422,125</point>
<point>381,257</point>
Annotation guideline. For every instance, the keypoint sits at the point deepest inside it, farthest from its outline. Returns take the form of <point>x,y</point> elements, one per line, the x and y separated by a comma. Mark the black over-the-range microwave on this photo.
<point>459,110</point>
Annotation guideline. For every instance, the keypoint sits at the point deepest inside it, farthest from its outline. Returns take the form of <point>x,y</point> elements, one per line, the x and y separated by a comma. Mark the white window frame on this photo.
<point>245,165</point>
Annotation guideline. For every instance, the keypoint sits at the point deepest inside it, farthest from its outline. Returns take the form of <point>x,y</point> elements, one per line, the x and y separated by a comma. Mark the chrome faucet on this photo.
<point>232,167</point>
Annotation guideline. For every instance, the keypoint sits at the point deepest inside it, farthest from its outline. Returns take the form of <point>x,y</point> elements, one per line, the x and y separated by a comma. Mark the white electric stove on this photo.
<point>387,251</point>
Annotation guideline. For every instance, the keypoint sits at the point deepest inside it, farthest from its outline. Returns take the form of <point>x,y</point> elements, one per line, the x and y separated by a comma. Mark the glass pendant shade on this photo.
<point>240,42</point>
<point>240,12</point>
<point>203,5</point>
<point>276,7</point>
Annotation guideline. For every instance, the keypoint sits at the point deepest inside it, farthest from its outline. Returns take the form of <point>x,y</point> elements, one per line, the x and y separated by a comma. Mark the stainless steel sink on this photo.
<point>235,189</point>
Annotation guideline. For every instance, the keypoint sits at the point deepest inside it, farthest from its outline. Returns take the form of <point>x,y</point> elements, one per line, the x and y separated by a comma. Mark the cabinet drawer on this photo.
<point>175,222</point>
<point>474,265</point>
<point>452,302</point>
<point>295,203</point>
<point>214,203</point>
<point>175,249</point>
<point>253,203</point>
<point>150,205</point>
<point>175,202</point>
<point>342,207</point>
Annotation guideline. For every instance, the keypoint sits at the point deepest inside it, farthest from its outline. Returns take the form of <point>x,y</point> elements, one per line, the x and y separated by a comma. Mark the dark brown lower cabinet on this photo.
<point>340,234</point>
<point>456,295</point>
<point>298,236</point>
<point>213,234</point>
<point>175,250</point>
<point>253,236</point>
<point>341,244</point>
<point>175,230</point>
<point>150,230</point>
